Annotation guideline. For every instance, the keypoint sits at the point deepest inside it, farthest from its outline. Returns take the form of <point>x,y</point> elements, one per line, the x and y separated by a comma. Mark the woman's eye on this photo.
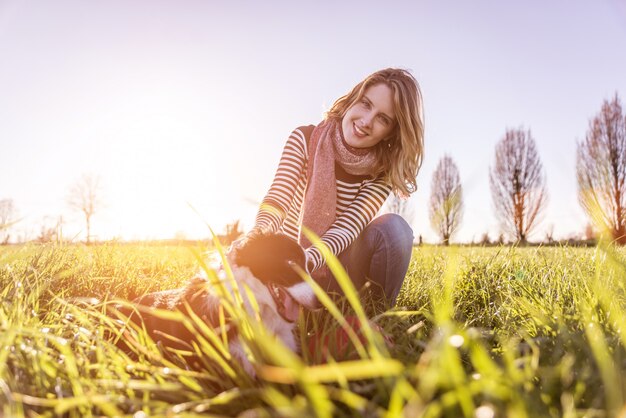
<point>384,121</point>
<point>365,103</point>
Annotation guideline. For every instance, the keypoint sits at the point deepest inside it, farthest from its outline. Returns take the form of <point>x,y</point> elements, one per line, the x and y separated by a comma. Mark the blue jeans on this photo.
<point>379,256</point>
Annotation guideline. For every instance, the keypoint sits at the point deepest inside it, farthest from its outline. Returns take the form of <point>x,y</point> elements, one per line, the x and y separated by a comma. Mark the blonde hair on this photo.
<point>399,158</point>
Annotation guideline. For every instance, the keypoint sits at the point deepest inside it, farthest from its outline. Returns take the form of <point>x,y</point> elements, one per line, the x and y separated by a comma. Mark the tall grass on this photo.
<point>481,332</point>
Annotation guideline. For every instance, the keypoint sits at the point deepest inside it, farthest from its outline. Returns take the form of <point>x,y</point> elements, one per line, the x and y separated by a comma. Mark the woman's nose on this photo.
<point>366,120</point>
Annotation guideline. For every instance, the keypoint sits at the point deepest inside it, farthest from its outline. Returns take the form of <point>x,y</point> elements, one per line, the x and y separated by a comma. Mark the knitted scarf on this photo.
<point>327,146</point>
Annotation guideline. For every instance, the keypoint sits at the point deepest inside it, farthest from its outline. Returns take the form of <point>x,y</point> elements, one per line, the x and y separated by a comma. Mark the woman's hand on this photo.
<point>241,241</point>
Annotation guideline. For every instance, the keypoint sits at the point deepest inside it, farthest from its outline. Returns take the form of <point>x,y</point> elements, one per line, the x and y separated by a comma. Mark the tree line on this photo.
<point>84,196</point>
<point>518,181</point>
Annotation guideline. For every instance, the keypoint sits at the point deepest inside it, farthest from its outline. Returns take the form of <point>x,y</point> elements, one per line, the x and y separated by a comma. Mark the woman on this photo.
<point>334,177</point>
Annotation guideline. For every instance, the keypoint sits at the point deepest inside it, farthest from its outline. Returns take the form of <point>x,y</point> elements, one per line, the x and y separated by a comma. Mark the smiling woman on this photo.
<point>334,177</point>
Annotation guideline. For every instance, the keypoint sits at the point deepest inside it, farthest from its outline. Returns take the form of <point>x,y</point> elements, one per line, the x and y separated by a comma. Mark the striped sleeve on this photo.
<point>278,200</point>
<point>353,220</point>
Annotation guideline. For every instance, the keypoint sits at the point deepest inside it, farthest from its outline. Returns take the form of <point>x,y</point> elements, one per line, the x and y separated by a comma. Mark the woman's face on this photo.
<point>371,119</point>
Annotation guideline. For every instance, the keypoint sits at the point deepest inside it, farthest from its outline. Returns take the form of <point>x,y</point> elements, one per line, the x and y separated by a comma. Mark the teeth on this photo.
<point>358,130</point>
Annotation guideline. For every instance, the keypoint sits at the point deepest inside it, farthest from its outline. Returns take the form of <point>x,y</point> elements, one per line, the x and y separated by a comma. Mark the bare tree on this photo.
<point>84,197</point>
<point>446,199</point>
<point>51,230</point>
<point>589,233</point>
<point>400,206</point>
<point>8,217</point>
<point>233,231</point>
<point>601,170</point>
<point>518,184</point>
<point>484,239</point>
<point>549,238</point>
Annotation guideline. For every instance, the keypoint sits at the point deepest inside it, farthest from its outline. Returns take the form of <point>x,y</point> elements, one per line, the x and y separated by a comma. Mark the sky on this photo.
<point>182,108</point>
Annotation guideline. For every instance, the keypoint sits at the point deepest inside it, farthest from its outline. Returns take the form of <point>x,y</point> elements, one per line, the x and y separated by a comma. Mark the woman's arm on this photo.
<point>278,200</point>
<point>352,221</point>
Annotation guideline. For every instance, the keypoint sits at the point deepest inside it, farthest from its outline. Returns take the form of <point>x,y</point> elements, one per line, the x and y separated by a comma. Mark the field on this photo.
<point>482,332</point>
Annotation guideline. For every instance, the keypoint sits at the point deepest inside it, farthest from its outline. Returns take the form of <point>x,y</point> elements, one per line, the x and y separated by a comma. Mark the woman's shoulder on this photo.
<point>305,131</point>
<point>301,136</point>
<point>298,140</point>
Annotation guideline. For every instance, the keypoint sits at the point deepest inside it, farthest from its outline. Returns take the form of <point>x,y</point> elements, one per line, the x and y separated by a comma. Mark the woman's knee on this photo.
<point>394,229</point>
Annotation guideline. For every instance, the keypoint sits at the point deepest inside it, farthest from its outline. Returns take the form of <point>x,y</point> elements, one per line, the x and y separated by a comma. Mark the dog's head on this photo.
<point>273,259</point>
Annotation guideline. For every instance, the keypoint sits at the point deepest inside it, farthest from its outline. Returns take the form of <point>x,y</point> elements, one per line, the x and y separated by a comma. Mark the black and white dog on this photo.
<point>265,265</point>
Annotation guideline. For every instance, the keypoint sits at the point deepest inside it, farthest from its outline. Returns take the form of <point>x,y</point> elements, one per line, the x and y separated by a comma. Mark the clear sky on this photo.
<point>179,103</point>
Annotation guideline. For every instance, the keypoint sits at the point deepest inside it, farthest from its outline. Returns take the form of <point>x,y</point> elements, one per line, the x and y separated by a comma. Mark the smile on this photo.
<point>359,132</point>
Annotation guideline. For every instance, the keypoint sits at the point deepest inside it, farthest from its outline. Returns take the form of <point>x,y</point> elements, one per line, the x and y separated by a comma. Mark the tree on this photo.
<point>446,199</point>
<point>549,239</point>
<point>84,197</point>
<point>518,184</point>
<point>233,231</point>
<point>485,240</point>
<point>601,170</point>
<point>589,232</point>
<point>400,206</point>
<point>7,219</point>
<point>51,230</point>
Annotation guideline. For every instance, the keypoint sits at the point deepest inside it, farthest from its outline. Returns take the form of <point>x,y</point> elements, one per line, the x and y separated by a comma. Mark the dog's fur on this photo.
<point>265,265</point>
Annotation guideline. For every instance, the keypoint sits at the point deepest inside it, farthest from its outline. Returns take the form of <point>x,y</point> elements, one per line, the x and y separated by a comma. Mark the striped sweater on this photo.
<point>358,200</point>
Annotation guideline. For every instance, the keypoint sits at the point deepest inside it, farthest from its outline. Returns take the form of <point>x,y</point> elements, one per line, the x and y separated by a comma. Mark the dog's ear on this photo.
<point>202,301</point>
<point>270,257</point>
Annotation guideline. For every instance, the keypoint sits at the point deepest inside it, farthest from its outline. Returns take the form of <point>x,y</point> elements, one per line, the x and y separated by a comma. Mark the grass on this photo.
<point>482,332</point>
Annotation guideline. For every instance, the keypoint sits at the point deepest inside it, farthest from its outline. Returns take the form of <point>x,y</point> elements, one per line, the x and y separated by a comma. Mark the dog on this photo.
<point>264,265</point>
